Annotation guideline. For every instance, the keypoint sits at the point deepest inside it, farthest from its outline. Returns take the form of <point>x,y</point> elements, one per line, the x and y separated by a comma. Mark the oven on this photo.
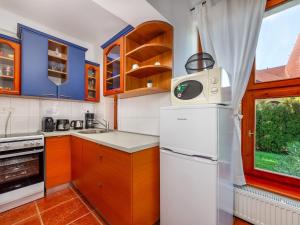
<point>21,170</point>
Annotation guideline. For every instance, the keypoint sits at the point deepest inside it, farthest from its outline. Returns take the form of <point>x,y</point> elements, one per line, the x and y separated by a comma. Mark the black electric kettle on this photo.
<point>77,124</point>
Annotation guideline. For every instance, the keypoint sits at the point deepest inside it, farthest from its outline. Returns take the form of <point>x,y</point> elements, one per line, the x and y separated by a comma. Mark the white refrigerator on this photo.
<point>195,165</point>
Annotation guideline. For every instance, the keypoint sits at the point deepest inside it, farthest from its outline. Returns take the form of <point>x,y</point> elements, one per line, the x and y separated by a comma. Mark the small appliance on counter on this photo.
<point>62,125</point>
<point>48,124</point>
<point>89,120</point>
<point>77,124</point>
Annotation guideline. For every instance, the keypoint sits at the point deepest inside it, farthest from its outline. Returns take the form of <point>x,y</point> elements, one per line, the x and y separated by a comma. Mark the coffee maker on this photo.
<point>89,120</point>
<point>48,124</point>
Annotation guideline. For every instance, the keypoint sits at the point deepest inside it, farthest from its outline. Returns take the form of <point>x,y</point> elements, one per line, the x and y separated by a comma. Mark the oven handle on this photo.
<point>20,154</point>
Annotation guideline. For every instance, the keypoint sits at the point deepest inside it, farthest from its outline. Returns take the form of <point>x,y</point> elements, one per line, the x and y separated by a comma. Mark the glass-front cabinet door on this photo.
<point>92,91</point>
<point>113,68</point>
<point>9,67</point>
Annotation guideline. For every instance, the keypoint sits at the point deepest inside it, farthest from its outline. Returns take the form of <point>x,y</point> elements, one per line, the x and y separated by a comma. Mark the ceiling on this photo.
<point>134,12</point>
<point>93,21</point>
<point>81,19</point>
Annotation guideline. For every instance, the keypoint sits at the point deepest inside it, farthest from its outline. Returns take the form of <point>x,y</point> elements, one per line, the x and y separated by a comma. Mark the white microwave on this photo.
<point>205,87</point>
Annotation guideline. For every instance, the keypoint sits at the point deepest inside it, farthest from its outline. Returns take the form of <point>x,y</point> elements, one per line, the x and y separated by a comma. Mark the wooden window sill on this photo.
<point>281,189</point>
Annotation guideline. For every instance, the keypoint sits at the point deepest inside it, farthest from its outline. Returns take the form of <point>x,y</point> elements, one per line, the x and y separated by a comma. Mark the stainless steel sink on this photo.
<point>93,131</point>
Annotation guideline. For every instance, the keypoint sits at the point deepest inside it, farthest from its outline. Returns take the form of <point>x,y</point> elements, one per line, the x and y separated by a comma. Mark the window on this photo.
<point>271,105</point>
<point>277,135</point>
<point>278,50</point>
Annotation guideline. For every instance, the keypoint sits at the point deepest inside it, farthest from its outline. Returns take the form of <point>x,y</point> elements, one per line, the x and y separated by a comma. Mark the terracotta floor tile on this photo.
<point>20,213</point>
<point>89,219</point>
<point>55,199</point>
<point>64,213</point>
<point>34,220</point>
<point>238,221</point>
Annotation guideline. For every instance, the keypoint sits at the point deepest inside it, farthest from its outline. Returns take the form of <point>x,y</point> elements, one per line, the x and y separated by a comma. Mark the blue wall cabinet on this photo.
<point>34,67</point>
<point>74,86</point>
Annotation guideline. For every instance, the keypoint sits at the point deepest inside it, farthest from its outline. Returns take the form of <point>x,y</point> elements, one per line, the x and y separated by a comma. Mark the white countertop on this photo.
<point>124,141</point>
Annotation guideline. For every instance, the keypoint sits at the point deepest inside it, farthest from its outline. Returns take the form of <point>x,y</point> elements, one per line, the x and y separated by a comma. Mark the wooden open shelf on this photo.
<point>113,61</point>
<point>147,31</point>
<point>6,77</point>
<point>147,44</point>
<point>111,78</point>
<point>57,53</point>
<point>7,58</point>
<point>55,73</point>
<point>148,51</point>
<point>150,70</point>
<point>55,57</point>
<point>141,92</point>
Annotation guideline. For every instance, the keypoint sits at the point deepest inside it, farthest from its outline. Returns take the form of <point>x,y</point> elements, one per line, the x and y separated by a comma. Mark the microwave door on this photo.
<point>188,90</point>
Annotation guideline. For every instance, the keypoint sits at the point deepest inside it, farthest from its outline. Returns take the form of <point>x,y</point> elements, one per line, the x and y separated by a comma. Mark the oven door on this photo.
<point>21,168</point>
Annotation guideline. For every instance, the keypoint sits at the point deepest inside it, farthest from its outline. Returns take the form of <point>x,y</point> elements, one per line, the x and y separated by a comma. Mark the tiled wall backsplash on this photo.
<point>141,114</point>
<point>27,113</point>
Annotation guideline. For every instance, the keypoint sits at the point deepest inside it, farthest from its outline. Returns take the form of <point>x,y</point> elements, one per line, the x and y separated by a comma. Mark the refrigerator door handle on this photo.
<point>197,157</point>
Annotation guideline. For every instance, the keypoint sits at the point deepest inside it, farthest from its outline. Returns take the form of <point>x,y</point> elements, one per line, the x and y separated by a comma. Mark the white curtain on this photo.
<point>229,31</point>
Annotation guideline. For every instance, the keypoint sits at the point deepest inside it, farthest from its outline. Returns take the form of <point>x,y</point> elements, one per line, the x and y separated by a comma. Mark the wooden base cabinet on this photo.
<point>123,187</point>
<point>76,161</point>
<point>58,161</point>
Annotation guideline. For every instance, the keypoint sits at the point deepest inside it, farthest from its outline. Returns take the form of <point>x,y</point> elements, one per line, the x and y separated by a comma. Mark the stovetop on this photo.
<point>20,135</point>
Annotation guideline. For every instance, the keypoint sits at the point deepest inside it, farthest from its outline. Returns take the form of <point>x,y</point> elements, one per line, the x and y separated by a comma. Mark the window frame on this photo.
<point>278,183</point>
<point>270,84</point>
<point>248,124</point>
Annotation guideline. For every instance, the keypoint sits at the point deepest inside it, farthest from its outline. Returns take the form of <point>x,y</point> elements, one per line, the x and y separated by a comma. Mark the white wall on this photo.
<point>185,33</point>
<point>142,114</point>
<point>27,113</point>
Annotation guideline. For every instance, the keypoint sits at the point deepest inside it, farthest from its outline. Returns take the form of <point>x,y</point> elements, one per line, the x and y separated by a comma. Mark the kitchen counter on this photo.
<point>123,141</point>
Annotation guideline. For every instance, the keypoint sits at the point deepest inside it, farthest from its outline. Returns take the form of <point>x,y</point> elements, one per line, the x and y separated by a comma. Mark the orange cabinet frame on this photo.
<point>97,83</point>
<point>120,89</point>
<point>16,78</point>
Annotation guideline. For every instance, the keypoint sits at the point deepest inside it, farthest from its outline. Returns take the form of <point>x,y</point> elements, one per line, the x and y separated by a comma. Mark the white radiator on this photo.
<point>264,208</point>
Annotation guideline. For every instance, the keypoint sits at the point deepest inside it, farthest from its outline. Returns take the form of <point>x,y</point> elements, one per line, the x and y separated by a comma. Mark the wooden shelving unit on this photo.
<point>113,61</point>
<point>141,91</point>
<point>149,70</point>
<point>113,71</point>
<point>92,82</point>
<point>9,67</point>
<point>7,58</point>
<point>6,77</point>
<point>57,62</point>
<point>150,46</point>
<point>114,77</point>
<point>56,73</point>
<point>148,51</point>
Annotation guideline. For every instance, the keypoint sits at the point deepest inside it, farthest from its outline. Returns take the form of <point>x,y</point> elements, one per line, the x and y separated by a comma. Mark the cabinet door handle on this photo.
<point>49,95</point>
<point>64,96</point>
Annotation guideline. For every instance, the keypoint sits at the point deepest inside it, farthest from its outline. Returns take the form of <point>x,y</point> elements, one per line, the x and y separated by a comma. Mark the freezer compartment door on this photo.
<point>192,131</point>
<point>188,188</point>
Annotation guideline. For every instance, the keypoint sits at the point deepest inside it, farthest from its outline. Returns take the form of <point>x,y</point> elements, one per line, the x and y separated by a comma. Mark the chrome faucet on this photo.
<point>105,124</point>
